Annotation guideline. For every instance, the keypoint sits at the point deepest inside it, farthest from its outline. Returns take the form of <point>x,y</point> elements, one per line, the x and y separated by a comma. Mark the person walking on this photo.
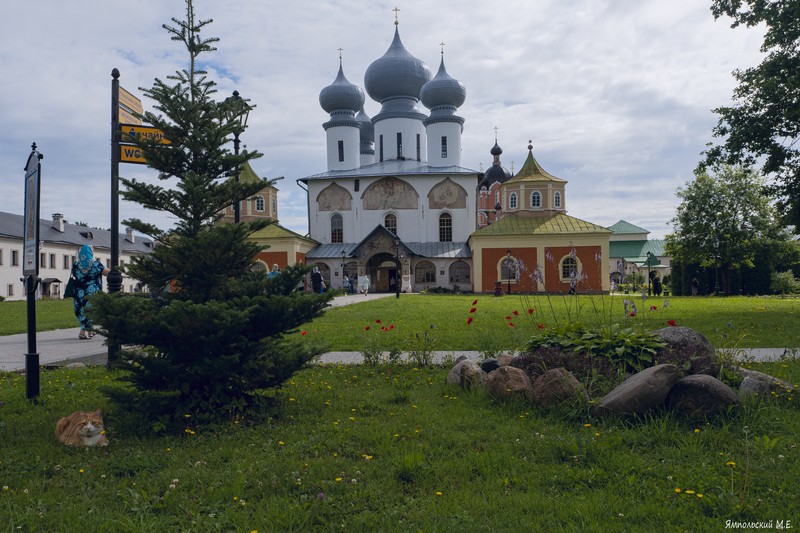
<point>316,280</point>
<point>364,283</point>
<point>87,279</point>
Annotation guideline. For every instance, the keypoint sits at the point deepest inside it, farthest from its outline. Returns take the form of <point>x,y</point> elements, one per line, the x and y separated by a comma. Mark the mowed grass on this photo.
<point>746,322</point>
<point>355,448</point>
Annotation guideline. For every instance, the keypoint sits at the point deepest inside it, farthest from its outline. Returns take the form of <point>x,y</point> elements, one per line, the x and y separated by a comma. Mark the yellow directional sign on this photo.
<point>131,154</point>
<point>128,106</point>
<point>130,133</point>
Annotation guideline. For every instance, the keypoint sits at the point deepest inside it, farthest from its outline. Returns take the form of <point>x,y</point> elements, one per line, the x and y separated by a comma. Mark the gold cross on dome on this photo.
<point>396,11</point>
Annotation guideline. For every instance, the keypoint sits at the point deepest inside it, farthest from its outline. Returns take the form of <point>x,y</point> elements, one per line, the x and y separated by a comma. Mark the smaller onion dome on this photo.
<point>497,172</point>
<point>365,124</point>
<point>443,90</point>
<point>341,95</point>
<point>496,150</point>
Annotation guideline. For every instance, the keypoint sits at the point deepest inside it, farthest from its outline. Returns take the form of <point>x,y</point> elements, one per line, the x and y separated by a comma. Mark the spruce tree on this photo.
<point>212,334</point>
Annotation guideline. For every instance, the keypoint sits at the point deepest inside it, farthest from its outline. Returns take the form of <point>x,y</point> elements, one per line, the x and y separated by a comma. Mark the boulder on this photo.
<point>639,393</point>
<point>505,358</point>
<point>753,387</point>
<point>466,374</point>
<point>774,384</point>
<point>700,396</point>
<point>459,359</point>
<point>508,382</point>
<point>557,386</point>
<point>687,348</point>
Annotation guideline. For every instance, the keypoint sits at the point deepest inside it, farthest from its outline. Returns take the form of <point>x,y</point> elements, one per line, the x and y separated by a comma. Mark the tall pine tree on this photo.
<point>213,332</point>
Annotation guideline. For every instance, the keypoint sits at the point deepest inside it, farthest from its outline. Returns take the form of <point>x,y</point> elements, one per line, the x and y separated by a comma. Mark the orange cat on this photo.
<point>82,429</point>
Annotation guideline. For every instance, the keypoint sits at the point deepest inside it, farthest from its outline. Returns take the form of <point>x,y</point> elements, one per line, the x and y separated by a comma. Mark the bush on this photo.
<point>784,283</point>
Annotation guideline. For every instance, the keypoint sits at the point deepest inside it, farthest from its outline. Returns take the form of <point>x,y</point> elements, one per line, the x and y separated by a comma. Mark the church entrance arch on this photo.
<point>383,272</point>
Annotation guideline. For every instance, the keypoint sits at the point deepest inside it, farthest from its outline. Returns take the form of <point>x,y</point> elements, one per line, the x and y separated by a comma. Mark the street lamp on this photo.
<point>649,257</point>
<point>716,267</point>
<point>399,274</point>
<point>508,269</point>
<point>346,289</point>
<point>237,110</point>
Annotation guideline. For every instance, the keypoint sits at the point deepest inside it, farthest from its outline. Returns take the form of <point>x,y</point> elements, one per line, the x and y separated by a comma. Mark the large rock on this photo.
<point>639,393</point>
<point>557,386</point>
<point>687,348</point>
<point>466,374</point>
<point>753,387</point>
<point>774,384</point>
<point>507,383</point>
<point>700,396</point>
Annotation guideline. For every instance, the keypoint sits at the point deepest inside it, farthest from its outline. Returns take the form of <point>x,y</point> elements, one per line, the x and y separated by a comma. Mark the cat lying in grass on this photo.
<point>82,429</point>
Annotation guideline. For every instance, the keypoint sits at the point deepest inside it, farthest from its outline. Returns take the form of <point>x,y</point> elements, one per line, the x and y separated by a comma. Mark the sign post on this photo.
<point>30,266</point>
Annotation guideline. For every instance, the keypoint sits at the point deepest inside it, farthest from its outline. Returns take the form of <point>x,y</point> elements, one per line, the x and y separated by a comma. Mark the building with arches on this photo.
<point>395,203</point>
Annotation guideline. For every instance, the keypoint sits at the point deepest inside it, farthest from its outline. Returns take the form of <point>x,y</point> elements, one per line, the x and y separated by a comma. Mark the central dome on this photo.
<point>396,74</point>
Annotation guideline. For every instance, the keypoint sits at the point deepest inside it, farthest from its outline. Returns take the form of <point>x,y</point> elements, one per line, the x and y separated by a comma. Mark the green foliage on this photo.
<point>762,127</point>
<point>784,283</point>
<point>630,348</point>
<point>213,335</point>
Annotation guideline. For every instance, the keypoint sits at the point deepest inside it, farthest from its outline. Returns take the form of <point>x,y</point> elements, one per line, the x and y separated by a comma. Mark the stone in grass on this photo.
<point>466,374</point>
<point>507,383</point>
<point>687,347</point>
<point>753,387</point>
<point>75,365</point>
<point>775,384</point>
<point>490,364</point>
<point>557,386</point>
<point>639,393</point>
<point>701,396</point>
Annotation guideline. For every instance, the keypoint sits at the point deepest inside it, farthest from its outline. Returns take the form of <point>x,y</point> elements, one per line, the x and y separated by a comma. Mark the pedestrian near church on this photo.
<point>316,280</point>
<point>87,279</point>
<point>364,284</point>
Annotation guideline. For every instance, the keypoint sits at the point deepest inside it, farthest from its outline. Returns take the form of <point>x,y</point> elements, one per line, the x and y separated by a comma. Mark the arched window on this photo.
<point>445,227</point>
<point>260,204</point>
<point>425,272</point>
<point>536,199</point>
<point>337,229</point>
<point>390,222</point>
<point>459,272</point>
<point>496,197</point>
<point>508,268</point>
<point>512,200</point>
<point>569,268</point>
<point>557,199</point>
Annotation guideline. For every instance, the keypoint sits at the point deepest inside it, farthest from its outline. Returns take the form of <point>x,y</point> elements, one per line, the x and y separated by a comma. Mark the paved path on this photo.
<point>62,346</point>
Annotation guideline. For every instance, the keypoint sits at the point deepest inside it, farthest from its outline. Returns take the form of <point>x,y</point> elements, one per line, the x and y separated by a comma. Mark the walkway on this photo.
<point>62,346</point>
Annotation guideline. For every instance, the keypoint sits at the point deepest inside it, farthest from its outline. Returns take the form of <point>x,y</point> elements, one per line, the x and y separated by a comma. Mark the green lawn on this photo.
<point>394,449</point>
<point>748,322</point>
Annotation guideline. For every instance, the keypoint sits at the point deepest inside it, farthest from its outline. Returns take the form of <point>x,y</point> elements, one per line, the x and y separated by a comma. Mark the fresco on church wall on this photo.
<point>447,195</point>
<point>390,193</point>
<point>334,198</point>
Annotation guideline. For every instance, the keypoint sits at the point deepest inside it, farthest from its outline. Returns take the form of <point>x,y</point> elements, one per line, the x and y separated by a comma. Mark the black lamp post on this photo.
<point>508,269</point>
<point>237,110</point>
<point>716,267</point>
<point>649,257</point>
<point>345,288</point>
<point>399,274</point>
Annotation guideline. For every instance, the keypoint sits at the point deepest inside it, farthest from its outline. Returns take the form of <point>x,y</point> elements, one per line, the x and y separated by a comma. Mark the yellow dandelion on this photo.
<point>697,430</point>
<point>689,491</point>
<point>280,442</point>
<point>235,498</point>
<point>438,493</point>
<point>5,488</point>
<point>169,449</point>
<point>338,479</point>
<point>187,416</point>
<point>587,425</point>
<point>81,470</point>
<point>731,464</point>
<point>291,399</point>
<point>677,490</point>
<point>699,495</point>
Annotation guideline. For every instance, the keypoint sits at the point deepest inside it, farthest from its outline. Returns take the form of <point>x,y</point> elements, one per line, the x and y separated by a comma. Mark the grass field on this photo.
<point>394,449</point>
<point>748,322</point>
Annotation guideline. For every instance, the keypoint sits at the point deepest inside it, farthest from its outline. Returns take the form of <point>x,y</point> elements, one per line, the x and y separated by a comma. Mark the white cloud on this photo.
<point>615,95</point>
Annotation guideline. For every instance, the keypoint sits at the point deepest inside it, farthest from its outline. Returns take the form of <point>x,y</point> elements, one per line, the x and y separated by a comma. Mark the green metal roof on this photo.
<point>636,251</point>
<point>531,170</point>
<point>626,227</point>
<point>557,223</point>
<point>276,231</point>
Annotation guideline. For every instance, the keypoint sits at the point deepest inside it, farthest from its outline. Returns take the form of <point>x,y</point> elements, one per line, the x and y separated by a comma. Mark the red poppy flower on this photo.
<point>653,307</point>
<point>474,302</point>
<point>508,317</point>
<point>540,325</point>
<point>469,320</point>
<point>531,311</point>
<point>391,326</point>
<point>671,323</point>
<point>473,310</point>
<point>303,333</point>
<point>516,313</point>
<point>378,321</point>
<point>633,313</point>
<point>366,328</point>
<point>511,324</point>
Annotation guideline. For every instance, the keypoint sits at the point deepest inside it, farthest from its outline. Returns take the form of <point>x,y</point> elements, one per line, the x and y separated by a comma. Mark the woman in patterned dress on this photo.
<point>87,274</point>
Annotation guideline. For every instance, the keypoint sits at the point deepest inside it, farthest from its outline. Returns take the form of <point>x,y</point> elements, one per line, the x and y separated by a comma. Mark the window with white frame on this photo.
<point>536,199</point>
<point>337,229</point>
<point>445,227</point>
<point>557,199</point>
<point>512,200</point>
<point>390,222</point>
<point>425,272</point>
<point>459,272</point>
<point>569,268</point>
<point>260,204</point>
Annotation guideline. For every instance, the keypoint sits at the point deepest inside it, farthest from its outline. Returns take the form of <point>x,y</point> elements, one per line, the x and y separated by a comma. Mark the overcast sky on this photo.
<point>616,95</point>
